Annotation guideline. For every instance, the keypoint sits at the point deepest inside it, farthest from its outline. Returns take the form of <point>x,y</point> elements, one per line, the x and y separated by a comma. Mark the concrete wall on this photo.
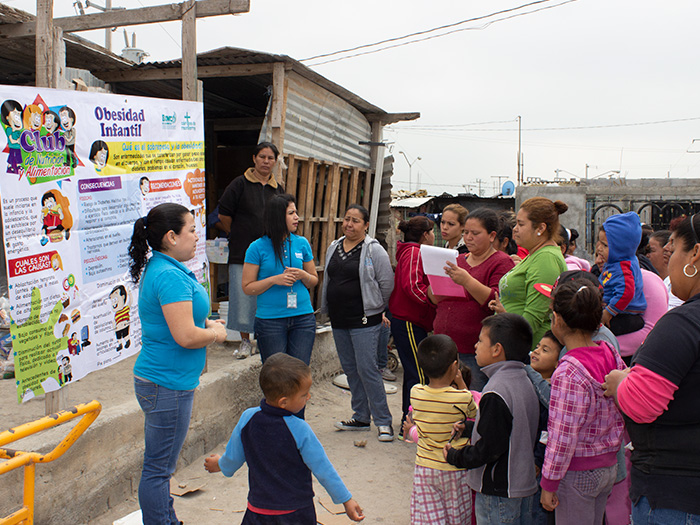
<point>103,468</point>
<point>627,194</point>
<point>573,196</point>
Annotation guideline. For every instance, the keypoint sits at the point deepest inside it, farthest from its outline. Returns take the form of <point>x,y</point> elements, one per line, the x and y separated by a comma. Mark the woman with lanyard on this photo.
<point>356,287</point>
<point>279,269</point>
<point>173,308</point>
<point>241,210</point>
<point>660,397</point>
<point>537,231</point>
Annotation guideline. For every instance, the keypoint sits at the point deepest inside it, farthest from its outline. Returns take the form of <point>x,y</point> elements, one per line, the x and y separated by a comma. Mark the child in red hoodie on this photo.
<point>411,307</point>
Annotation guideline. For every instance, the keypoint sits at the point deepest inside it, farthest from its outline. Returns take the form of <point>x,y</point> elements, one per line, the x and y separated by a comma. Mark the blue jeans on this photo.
<point>288,335</point>
<point>495,510</point>
<point>479,379</point>
<point>357,351</point>
<point>383,347</point>
<point>643,514</point>
<point>167,415</point>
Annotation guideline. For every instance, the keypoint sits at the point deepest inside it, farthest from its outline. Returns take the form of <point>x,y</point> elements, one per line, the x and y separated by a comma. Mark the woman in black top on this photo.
<point>660,397</point>
<point>357,283</point>
<point>241,210</point>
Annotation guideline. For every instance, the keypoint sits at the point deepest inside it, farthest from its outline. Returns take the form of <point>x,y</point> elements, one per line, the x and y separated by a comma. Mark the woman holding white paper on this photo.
<point>478,272</point>
<point>411,305</point>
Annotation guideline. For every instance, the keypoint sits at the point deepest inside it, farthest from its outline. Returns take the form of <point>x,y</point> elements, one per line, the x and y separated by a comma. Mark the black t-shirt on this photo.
<point>244,201</point>
<point>666,456</point>
<point>345,307</point>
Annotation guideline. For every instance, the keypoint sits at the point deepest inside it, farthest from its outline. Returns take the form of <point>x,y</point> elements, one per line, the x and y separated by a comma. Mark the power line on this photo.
<point>462,127</point>
<point>433,36</point>
<point>420,32</point>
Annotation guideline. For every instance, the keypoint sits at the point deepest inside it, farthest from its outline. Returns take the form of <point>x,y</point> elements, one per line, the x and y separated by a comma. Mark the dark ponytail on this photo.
<point>414,228</point>
<point>579,304</point>
<point>150,230</point>
<point>275,222</point>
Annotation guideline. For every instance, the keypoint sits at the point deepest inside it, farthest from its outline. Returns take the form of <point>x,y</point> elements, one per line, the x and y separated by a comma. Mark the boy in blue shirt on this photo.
<point>281,451</point>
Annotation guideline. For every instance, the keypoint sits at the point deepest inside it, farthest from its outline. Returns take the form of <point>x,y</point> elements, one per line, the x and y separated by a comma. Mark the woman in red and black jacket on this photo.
<point>411,307</point>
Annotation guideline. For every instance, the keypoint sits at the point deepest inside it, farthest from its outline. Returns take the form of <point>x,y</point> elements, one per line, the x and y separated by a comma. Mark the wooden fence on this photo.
<point>323,192</point>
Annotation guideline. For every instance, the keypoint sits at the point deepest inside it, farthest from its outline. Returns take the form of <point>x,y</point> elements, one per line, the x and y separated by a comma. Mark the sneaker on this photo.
<point>386,433</point>
<point>243,350</point>
<point>387,375</point>
<point>351,424</point>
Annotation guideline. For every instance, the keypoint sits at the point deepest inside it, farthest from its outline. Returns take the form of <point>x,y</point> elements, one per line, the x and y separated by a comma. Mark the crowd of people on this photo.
<point>550,390</point>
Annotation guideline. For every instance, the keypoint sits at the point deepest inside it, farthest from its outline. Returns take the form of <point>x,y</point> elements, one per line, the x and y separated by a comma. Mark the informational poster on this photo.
<point>77,170</point>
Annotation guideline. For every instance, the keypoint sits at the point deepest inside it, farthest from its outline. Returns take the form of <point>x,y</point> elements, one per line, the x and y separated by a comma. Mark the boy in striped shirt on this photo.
<point>440,492</point>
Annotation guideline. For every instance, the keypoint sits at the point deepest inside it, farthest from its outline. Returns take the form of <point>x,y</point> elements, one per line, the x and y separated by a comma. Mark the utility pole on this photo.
<point>520,160</point>
<point>499,177</point>
<point>410,166</point>
<point>105,9</point>
<point>479,182</point>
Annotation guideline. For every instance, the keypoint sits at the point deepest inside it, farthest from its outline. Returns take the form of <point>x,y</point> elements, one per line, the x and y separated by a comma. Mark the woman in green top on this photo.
<point>536,230</point>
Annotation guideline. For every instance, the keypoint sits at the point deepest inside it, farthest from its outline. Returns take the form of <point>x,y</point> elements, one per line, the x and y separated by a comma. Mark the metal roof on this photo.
<point>225,56</point>
<point>410,202</point>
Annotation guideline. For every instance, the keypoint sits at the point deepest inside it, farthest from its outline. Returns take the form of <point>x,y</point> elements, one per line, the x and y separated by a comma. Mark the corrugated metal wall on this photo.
<point>321,125</point>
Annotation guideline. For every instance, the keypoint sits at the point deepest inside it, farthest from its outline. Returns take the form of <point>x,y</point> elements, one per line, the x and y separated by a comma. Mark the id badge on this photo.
<point>291,300</point>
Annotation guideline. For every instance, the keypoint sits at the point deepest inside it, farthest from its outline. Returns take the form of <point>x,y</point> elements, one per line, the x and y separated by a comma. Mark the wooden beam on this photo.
<point>309,177</point>
<point>130,17</point>
<point>290,183</point>
<point>189,52</point>
<point>278,110</point>
<point>145,75</point>
<point>332,190</point>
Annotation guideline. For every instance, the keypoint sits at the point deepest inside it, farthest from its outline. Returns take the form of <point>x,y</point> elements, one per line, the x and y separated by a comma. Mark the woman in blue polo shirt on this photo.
<point>173,308</point>
<point>279,269</point>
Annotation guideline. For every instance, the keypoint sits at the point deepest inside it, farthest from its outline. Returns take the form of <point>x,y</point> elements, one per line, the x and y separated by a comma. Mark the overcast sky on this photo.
<point>592,66</point>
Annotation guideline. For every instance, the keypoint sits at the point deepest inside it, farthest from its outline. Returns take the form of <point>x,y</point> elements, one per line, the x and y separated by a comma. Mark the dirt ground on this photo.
<point>378,475</point>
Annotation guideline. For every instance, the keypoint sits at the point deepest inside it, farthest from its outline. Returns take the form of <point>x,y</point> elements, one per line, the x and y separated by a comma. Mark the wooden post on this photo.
<point>44,42</point>
<point>278,109</point>
<point>46,76</point>
<point>189,51</point>
<point>377,159</point>
<point>290,182</point>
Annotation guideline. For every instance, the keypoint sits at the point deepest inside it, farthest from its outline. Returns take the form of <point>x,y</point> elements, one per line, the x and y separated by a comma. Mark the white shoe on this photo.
<point>385,433</point>
<point>244,350</point>
<point>387,375</point>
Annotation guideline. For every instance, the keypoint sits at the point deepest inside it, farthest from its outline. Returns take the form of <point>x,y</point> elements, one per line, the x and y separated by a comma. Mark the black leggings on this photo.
<point>623,324</point>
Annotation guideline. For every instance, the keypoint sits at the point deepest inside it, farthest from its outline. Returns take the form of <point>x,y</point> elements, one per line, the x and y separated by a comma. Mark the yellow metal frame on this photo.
<point>28,460</point>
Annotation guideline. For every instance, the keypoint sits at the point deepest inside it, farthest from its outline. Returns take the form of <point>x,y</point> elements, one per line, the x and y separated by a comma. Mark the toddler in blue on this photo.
<point>281,451</point>
<point>623,288</point>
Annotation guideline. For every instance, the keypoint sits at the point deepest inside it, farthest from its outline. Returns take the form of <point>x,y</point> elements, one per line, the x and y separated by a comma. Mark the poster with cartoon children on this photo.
<point>67,222</point>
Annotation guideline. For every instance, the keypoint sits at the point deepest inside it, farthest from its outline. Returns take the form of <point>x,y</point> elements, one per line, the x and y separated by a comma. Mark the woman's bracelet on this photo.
<point>216,336</point>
